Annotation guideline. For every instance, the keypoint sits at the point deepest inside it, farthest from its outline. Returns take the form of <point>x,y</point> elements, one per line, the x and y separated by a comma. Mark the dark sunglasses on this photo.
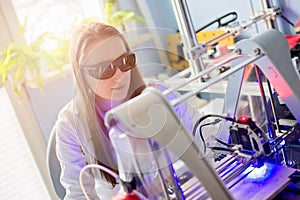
<point>107,70</point>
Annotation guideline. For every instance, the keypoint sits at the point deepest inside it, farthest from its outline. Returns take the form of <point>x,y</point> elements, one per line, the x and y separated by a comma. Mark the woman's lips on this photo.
<point>118,87</point>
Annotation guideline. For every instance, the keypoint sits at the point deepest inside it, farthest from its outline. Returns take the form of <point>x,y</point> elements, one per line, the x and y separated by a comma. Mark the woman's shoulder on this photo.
<point>66,110</point>
<point>65,121</point>
<point>160,85</point>
<point>69,127</point>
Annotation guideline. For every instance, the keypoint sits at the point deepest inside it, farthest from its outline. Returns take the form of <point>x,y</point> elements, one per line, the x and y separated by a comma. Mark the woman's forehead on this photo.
<point>105,51</point>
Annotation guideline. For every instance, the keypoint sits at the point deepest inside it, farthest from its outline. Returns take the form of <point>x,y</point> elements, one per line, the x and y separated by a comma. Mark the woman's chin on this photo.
<point>118,96</point>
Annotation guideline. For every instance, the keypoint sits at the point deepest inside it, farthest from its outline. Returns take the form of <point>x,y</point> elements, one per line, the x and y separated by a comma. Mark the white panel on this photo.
<point>4,33</point>
<point>19,175</point>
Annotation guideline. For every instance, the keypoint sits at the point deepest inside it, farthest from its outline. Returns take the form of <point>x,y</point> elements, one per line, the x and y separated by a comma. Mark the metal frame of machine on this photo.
<point>137,119</point>
<point>193,50</point>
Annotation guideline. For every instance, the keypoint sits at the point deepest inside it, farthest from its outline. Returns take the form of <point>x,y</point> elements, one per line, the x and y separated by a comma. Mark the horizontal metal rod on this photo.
<point>201,74</point>
<point>239,177</point>
<point>220,37</point>
<point>215,80</point>
<point>239,168</point>
<point>184,73</point>
<point>256,19</point>
<point>229,162</point>
<point>235,31</point>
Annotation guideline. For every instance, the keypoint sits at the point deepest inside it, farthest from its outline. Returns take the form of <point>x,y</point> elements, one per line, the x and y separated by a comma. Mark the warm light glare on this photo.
<point>49,44</point>
<point>54,17</point>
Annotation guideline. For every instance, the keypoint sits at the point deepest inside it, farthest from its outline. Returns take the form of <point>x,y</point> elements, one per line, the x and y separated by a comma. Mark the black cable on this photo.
<point>221,149</point>
<point>280,138</point>
<point>224,143</point>
<point>198,122</point>
<point>201,134</point>
<point>288,21</point>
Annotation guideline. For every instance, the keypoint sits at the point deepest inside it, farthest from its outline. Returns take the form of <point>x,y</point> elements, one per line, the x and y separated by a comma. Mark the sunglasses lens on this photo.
<point>107,72</point>
<point>102,72</point>
<point>124,63</point>
<point>128,62</point>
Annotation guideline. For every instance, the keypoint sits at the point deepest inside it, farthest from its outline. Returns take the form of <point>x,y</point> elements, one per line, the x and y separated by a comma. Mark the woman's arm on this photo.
<point>72,160</point>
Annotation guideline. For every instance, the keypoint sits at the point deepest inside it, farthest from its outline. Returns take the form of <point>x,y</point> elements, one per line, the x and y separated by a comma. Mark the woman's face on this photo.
<point>104,53</point>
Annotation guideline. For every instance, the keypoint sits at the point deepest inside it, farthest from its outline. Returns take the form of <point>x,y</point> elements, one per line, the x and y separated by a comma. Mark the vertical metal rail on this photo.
<point>187,32</point>
<point>271,23</point>
<point>272,133</point>
<point>273,107</point>
<point>253,13</point>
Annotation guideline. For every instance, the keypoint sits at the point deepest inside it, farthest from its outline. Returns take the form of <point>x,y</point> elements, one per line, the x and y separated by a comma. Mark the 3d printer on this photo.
<point>156,148</point>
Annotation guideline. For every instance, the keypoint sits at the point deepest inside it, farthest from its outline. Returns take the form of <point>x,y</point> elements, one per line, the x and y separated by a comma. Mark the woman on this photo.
<point>106,75</point>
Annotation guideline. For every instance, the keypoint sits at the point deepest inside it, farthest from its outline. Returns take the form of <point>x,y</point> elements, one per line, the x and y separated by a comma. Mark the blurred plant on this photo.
<point>116,17</point>
<point>22,61</point>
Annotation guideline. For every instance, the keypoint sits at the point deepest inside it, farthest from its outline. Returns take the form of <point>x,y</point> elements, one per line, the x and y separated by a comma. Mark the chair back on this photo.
<point>54,166</point>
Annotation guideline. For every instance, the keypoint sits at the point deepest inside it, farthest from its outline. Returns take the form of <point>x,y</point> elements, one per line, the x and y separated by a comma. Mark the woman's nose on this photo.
<point>118,74</point>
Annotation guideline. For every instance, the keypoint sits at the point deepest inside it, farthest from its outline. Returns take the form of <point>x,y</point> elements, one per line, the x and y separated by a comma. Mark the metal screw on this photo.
<point>257,51</point>
<point>238,51</point>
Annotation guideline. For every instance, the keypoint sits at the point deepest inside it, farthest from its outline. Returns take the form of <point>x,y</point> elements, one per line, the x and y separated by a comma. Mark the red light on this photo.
<point>125,196</point>
<point>243,119</point>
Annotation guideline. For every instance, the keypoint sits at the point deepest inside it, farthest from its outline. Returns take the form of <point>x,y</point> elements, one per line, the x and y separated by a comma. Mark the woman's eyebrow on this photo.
<point>104,62</point>
<point>97,64</point>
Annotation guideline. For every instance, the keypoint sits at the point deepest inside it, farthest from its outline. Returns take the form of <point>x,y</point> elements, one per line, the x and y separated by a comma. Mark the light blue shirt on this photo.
<point>72,157</point>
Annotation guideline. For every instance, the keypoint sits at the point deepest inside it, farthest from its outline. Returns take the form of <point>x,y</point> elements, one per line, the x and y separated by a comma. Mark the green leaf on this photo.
<point>117,18</point>
<point>22,28</point>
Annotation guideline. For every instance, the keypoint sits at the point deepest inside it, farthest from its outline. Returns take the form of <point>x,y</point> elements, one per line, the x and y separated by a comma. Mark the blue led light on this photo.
<point>282,143</point>
<point>260,174</point>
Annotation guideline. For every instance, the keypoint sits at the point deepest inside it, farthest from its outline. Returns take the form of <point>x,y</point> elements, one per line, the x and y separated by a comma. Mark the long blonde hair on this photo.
<point>80,47</point>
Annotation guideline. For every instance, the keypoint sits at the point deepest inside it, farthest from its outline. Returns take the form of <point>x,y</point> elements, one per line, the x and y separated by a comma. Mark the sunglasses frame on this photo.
<point>124,62</point>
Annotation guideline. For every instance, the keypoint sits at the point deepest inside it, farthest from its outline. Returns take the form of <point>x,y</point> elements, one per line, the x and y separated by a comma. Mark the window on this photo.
<point>55,16</point>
